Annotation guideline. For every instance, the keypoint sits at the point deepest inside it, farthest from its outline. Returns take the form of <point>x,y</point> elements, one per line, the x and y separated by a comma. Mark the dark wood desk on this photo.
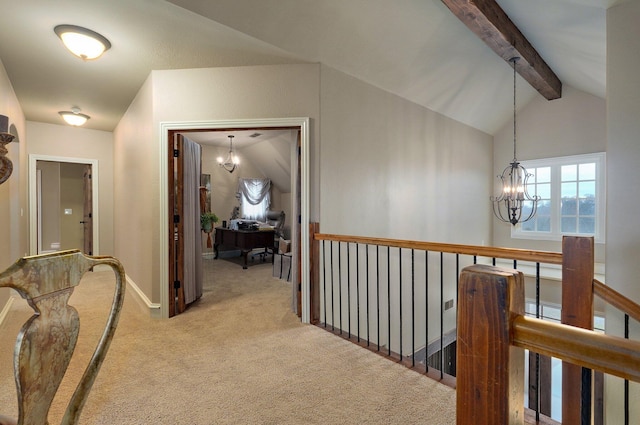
<point>244,240</point>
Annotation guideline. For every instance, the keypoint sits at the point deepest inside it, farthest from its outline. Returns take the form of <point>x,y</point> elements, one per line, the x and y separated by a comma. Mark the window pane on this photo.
<point>587,225</point>
<point>587,206</point>
<point>587,171</point>
<point>529,226</point>
<point>568,190</point>
<point>569,172</point>
<point>544,223</point>
<point>568,225</point>
<point>543,174</point>
<point>586,189</point>
<point>544,190</point>
<point>531,188</point>
<point>544,207</point>
<point>568,206</point>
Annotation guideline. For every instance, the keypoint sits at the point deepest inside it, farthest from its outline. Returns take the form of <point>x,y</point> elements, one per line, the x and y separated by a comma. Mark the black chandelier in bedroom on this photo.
<point>514,204</point>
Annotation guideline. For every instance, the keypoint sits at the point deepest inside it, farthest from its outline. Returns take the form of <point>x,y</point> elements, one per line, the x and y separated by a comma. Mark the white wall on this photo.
<point>391,168</point>
<point>194,95</point>
<point>136,203</point>
<point>623,181</point>
<point>77,142</point>
<point>13,195</point>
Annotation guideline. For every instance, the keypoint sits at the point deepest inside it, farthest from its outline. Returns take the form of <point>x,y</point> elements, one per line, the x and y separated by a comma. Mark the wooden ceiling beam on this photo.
<point>489,22</point>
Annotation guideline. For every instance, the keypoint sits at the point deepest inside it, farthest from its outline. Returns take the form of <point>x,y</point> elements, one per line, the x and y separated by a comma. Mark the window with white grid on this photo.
<point>572,198</point>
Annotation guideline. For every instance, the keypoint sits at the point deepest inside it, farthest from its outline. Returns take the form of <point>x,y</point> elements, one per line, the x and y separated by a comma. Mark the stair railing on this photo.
<point>493,333</point>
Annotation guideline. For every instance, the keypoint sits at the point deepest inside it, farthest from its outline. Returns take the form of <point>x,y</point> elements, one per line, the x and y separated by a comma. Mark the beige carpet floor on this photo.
<point>238,356</point>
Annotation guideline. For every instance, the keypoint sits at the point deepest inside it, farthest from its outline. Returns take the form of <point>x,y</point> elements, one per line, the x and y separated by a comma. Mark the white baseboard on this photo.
<point>141,298</point>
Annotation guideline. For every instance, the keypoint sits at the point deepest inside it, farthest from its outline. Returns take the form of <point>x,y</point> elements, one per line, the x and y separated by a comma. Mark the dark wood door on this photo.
<point>176,240</point>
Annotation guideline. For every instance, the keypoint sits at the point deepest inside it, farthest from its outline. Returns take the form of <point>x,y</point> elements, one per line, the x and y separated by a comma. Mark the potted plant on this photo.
<point>207,220</point>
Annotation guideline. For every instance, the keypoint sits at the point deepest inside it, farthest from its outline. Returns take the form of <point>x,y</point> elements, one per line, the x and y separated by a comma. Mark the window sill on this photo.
<point>548,271</point>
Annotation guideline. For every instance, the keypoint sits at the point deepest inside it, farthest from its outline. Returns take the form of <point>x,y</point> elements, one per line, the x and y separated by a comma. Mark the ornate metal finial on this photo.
<point>6,166</point>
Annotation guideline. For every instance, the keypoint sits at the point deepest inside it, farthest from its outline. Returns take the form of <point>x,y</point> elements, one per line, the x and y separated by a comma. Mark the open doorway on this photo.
<point>299,219</point>
<point>63,204</point>
<point>267,156</point>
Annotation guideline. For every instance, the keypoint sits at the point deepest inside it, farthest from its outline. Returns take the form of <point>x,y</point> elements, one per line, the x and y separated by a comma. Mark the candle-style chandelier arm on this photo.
<point>514,198</point>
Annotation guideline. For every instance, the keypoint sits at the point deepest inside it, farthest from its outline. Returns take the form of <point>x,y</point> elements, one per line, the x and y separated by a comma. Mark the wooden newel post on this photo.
<point>314,271</point>
<point>577,310</point>
<point>490,379</point>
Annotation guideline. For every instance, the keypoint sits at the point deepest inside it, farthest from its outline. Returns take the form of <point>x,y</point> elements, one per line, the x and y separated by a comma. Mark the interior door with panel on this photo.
<point>185,247</point>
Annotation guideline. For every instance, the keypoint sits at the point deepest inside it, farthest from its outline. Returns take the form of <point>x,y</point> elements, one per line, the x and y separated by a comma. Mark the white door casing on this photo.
<point>302,123</point>
<point>33,200</point>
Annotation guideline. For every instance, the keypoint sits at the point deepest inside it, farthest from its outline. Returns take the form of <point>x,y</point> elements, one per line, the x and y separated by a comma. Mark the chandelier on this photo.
<point>231,161</point>
<point>514,204</point>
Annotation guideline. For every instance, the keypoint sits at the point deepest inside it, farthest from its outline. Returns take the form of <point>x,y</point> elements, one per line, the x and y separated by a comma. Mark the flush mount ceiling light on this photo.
<point>231,161</point>
<point>74,117</point>
<point>82,42</point>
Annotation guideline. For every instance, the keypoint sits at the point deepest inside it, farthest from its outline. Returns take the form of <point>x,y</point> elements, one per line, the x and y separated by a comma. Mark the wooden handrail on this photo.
<point>606,353</point>
<point>616,299</point>
<point>547,257</point>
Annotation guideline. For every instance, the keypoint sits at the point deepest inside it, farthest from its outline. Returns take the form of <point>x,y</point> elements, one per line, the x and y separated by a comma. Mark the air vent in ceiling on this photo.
<point>254,135</point>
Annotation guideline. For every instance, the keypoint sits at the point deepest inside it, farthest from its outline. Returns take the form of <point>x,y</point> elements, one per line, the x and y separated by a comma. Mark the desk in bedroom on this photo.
<point>244,240</point>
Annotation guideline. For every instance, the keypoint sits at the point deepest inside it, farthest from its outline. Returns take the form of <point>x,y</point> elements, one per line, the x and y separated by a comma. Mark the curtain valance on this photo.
<point>257,194</point>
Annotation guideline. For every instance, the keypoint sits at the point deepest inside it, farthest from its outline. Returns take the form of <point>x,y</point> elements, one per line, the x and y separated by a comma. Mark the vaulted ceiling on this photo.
<point>416,49</point>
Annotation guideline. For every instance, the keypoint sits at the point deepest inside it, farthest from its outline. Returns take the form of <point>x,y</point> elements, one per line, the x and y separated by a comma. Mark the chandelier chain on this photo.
<point>514,204</point>
<point>514,60</point>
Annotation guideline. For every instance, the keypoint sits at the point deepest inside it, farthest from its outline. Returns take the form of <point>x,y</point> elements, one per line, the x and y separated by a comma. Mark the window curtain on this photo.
<point>255,198</point>
<point>191,211</point>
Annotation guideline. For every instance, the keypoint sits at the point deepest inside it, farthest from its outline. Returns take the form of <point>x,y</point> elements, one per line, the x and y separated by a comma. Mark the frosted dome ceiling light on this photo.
<point>82,42</point>
<point>74,117</point>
